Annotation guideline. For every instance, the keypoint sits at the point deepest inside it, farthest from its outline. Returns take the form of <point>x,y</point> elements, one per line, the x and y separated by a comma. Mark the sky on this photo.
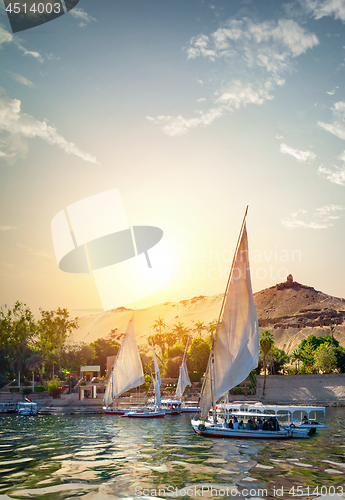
<point>192,110</point>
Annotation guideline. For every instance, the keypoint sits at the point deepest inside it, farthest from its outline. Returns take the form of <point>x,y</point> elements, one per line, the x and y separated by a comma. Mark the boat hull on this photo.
<point>190,410</point>
<point>145,414</point>
<point>114,411</point>
<point>216,430</point>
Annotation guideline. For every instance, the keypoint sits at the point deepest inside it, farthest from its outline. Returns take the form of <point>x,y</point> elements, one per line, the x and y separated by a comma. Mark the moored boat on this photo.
<point>234,354</point>
<point>8,407</point>
<point>27,408</point>
<point>307,417</point>
<point>126,372</point>
<point>145,413</point>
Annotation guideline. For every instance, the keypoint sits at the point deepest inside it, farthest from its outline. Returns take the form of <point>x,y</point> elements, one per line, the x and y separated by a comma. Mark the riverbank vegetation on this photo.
<point>30,347</point>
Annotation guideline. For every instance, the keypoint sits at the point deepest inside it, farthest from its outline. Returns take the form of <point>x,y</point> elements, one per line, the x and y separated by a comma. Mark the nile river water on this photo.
<point>105,457</point>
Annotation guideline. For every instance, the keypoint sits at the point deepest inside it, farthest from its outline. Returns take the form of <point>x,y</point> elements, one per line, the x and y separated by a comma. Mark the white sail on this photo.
<point>127,371</point>
<point>157,381</point>
<point>236,348</point>
<point>183,381</point>
<point>108,394</point>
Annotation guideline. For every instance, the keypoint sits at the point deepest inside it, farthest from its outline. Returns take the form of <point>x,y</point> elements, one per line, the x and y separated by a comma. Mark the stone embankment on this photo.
<point>306,389</point>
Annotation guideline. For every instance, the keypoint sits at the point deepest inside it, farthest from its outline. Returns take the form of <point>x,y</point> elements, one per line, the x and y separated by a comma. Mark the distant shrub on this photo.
<point>14,389</point>
<point>39,388</point>
<point>82,383</point>
<point>26,391</point>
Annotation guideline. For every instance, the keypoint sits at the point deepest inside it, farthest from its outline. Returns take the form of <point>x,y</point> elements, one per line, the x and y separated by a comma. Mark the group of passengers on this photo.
<point>259,424</point>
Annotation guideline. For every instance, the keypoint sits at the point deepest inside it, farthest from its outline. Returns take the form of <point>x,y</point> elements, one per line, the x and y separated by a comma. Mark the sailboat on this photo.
<point>126,372</point>
<point>183,382</point>
<point>234,354</point>
<point>156,411</point>
<point>174,406</point>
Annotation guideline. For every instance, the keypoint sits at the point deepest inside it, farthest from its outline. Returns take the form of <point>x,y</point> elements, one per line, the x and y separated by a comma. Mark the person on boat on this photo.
<point>225,425</point>
<point>259,424</point>
<point>254,426</point>
<point>236,424</point>
<point>249,425</point>
<point>231,425</point>
<point>305,420</point>
<point>265,426</point>
<point>241,425</point>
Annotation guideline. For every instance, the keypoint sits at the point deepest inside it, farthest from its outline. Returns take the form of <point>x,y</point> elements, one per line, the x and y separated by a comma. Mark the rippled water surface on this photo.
<point>105,457</point>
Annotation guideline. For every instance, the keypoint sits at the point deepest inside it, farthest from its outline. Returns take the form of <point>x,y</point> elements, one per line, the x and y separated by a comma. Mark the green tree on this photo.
<point>33,362</point>
<point>170,339</point>
<point>266,343</point>
<point>309,345</point>
<point>325,358</point>
<point>104,349</point>
<point>78,354</point>
<point>340,355</point>
<point>54,328</point>
<point>17,329</point>
<point>198,354</point>
<point>186,339</point>
<point>172,367</point>
<point>199,327</point>
<point>332,328</point>
<point>159,339</point>
<point>296,356</point>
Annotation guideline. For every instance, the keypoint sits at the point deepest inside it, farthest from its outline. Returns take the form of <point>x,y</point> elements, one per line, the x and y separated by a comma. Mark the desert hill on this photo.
<point>291,311</point>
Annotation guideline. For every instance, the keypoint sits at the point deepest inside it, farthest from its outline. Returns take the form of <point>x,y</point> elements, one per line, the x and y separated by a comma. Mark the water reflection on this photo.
<point>106,457</point>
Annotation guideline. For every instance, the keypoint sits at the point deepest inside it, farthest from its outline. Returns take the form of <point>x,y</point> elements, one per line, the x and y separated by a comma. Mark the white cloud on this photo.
<point>6,37</point>
<point>257,55</point>
<point>269,44</point>
<point>332,92</point>
<point>336,176</point>
<point>14,122</point>
<point>238,95</point>
<point>82,16</point>
<point>202,99</point>
<point>322,218</point>
<point>336,128</point>
<point>7,228</point>
<point>21,79</point>
<point>279,137</point>
<point>301,156</point>
<point>325,8</point>
<point>175,126</point>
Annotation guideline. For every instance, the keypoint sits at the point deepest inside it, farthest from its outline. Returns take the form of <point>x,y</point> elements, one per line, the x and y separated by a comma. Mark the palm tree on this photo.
<point>211,329</point>
<point>266,343</point>
<point>179,329</point>
<point>331,327</point>
<point>199,326</point>
<point>296,356</point>
<point>159,339</point>
<point>170,339</point>
<point>159,324</point>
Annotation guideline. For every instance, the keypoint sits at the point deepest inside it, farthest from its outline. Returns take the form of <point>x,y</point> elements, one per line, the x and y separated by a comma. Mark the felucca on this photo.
<point>234,354</point>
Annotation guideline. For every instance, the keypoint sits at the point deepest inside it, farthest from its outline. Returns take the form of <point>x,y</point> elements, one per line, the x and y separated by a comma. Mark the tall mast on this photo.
<point>212,373</point>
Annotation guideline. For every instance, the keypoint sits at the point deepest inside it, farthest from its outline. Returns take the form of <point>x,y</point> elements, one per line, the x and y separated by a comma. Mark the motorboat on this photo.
<point>27,408</point>
<point>8,407</point>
